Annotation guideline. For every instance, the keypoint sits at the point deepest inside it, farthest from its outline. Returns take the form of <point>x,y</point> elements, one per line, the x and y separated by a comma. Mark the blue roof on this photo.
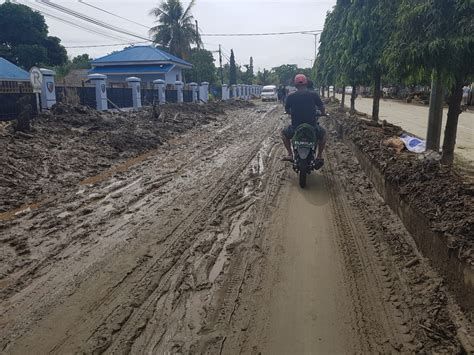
<point>139,54</point>
<point>132,69</point>
<point>9,71</point>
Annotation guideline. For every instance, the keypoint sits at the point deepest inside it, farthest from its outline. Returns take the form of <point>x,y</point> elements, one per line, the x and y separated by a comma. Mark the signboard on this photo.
<point>36,79</point>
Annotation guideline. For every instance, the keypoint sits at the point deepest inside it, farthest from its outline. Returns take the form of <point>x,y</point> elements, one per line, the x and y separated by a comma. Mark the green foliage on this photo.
<point>203,67</point>
<point>82,61</point>
<point>285,74</point>
<point>248,77</point>
<point>432,35</point>
<point>232,69</point>
<point>176,31</point>
<point>265,77</point>
<point>354,38</point>
<point>24,38</point>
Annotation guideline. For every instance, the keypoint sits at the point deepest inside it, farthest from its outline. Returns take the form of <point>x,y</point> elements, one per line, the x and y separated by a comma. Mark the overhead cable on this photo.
<point>77,25</point>
<point>111,13</point>
<point>90,19</point>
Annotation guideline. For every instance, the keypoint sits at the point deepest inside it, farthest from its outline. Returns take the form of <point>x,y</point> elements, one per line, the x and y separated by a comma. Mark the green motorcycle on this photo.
<point>304,143</point>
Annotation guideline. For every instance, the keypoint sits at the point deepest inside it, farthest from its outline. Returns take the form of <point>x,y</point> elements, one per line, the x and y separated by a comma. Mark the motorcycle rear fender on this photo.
<point>303,151</point>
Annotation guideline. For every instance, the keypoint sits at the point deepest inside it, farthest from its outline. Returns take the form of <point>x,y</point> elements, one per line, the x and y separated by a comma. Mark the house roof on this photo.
<point>132,69</point>
<point>9,71</point>
<point>138,55</point>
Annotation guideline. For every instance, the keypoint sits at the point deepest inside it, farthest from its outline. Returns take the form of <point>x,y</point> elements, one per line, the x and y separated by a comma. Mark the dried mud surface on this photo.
<point>207,245</point>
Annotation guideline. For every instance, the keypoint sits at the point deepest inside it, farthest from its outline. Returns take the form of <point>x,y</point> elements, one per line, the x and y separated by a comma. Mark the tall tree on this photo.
<point>176,30</point>
<point>232,69</point>
<point>435,36</point>
<point>203,66</point>
<point>24,38</point>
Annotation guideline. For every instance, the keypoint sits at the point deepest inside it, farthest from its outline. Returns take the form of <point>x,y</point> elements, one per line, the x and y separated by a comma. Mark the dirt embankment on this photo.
<point>69,144</point>
<point>440,194</point>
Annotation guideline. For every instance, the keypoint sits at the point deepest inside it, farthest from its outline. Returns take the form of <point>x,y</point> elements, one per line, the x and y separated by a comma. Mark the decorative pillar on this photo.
<point>134,84</point>
<point>48,90</point>
<point>160,86</point>
<point>204,92</point>
<point>100,90</point>
<point>179,87</point>
<point>224,92</point>
<point>194,89</point>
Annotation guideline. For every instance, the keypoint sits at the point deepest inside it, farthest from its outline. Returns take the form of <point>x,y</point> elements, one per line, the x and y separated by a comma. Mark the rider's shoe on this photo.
<point>318,164</point>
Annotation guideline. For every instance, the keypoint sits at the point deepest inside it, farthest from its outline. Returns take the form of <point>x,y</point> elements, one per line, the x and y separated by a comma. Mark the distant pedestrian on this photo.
<point>466,91</point>
<point>281,94</point>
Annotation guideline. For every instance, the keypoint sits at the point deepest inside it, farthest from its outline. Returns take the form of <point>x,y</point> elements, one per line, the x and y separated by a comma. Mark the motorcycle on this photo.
<point>304,143</point>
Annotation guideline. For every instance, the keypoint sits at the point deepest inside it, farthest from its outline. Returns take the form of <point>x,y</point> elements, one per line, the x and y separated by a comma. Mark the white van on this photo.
<point>269,93</point>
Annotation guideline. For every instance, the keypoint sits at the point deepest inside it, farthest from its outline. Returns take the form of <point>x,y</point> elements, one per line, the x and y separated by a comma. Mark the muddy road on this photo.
<point>207,245</point>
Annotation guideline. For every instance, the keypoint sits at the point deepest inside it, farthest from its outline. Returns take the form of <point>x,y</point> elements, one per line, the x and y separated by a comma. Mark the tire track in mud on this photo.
<point>397,290</point>
<point>215,207</point>
<point>152,272</point>
<point>366,277</point>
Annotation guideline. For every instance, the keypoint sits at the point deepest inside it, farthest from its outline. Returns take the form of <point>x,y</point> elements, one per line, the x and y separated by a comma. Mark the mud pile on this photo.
<point>441,195</point>
<point>71,143</point>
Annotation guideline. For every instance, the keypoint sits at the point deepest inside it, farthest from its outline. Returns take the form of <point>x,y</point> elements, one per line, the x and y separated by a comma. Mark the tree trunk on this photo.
<point>334,91</point>
<point>452,122</point>
<point>353,99</point>
<point>376,101</point>
<point>343,99</point>
<point>435,115</point>
<point>323,91</point>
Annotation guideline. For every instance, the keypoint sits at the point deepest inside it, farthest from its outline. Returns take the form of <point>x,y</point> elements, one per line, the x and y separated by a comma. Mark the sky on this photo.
<point>214,16</point>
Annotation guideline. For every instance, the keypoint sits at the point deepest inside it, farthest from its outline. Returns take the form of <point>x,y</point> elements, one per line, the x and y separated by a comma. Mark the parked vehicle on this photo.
<point>269,93</point>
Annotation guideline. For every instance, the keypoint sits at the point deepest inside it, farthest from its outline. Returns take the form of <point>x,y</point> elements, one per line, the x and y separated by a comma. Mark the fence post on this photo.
<point>239,91</point>
<point>246,92</point>
<point>179,87</point>
<point>134,84</point>
<point>204,91</point>
<point>194,88</point>
<point>224,92</point>
<point>159,85</point>
<point>48,90</point>
<point>234,91</point>
<point>100,90</point>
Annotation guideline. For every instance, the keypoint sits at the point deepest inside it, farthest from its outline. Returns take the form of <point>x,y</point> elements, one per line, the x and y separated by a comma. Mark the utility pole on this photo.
<point>220,65</point>
<point>197,35</point>
<point>315,46</point>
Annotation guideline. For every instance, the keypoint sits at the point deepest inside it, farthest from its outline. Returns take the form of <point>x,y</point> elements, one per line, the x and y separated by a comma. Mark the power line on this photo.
<point>107,45</point>
<point>88,29</point>
<point>258,34</point>
<point>90,19</point>
<point>111,13</point>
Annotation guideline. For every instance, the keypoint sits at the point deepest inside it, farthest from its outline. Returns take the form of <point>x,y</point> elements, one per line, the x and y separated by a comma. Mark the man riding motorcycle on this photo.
<point>302,106</point>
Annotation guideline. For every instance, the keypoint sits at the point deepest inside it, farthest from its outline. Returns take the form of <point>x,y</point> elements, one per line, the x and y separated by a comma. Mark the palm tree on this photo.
<point>175,30</point>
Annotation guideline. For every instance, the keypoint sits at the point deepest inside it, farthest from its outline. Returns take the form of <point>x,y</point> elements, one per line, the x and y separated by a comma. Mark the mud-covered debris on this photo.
<point>72,142</point>
<point>438,192</point>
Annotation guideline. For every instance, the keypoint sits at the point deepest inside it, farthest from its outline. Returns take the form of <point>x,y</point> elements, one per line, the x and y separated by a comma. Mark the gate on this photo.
<point>72,95</point>
<point>122,97</point>
<point>10,108</point>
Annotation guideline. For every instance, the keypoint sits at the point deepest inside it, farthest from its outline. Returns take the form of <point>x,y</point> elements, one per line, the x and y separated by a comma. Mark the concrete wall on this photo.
<point>173,75</point>
<point>169,78</point>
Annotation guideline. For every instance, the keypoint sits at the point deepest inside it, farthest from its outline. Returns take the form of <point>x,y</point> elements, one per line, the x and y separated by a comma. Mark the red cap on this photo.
<point>301,79</point>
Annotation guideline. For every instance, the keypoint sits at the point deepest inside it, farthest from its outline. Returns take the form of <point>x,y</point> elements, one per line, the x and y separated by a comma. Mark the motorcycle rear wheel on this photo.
<point>303,167</point>
<point>302,179</point>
